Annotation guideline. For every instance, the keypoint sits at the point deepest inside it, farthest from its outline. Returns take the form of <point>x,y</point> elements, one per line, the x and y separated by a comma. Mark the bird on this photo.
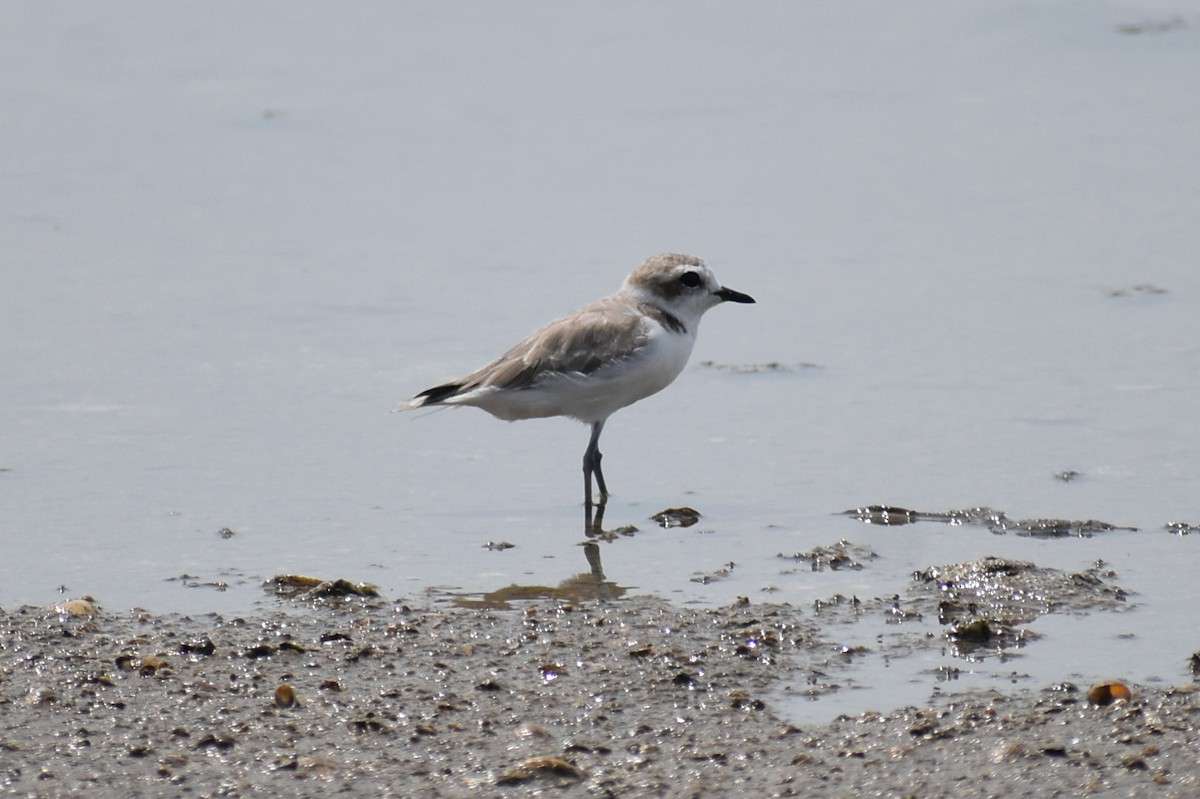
<point>598,359</point>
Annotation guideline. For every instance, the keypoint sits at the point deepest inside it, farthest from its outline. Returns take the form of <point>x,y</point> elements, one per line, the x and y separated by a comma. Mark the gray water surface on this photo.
<point>232,242</point>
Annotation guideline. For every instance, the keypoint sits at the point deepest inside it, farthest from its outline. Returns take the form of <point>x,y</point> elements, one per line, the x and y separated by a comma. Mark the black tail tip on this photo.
<point>432,396</point>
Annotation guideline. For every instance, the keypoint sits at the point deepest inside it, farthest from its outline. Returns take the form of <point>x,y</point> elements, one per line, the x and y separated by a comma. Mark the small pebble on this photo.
<point>285,696</point>
<point>1106,692</point>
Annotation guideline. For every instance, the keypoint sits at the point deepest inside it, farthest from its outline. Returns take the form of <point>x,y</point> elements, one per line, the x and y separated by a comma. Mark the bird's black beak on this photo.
<point>729,295</point>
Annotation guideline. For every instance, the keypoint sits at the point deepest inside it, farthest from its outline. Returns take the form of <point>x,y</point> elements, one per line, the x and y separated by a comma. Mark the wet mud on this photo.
<point>983,603</point>
<point>339,691</point>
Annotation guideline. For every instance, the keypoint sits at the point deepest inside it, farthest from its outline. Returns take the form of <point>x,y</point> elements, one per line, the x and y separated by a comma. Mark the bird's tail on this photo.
<point>432,396</point>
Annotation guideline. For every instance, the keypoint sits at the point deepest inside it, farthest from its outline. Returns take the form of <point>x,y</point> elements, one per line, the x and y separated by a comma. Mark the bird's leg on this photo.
<point>600,480</point>
<point>591,465</point>
<point>593,520</point>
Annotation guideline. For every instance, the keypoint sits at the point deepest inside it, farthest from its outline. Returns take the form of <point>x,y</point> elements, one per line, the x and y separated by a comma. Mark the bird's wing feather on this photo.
<point>596,336</point>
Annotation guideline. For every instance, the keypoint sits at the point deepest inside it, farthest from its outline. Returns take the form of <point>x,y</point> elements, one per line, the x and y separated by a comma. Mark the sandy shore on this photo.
<point>629,698</point>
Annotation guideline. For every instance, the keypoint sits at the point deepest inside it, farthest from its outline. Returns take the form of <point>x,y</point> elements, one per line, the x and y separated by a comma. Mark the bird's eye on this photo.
<point>690,279</point>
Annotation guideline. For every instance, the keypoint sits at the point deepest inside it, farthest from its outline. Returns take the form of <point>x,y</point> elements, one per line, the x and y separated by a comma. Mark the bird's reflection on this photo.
<point>586,586</point>
<point>593,524</point>
<point>593,519</point>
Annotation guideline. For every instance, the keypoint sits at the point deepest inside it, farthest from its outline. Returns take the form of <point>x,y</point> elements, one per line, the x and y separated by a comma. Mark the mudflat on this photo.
<point>629,698</point>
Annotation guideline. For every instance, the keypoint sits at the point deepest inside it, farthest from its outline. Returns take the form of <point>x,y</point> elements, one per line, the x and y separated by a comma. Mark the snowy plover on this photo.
<point>608,354</point>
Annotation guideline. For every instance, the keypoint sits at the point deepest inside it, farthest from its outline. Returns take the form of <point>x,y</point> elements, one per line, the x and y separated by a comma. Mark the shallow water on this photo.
<point>231,246</point>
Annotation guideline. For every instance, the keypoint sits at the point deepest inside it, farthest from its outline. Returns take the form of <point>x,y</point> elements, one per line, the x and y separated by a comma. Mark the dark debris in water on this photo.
<point>193,581</point>
<point>1141,288</point>
<point>494,546</point>
<point>1054,528</point>
<point>1152,26</point>
<point>300,586</point>
<point>889,515</point>
<point>976,639</point>
<point>842,607</point>
<point>1067,475</point>
<point>837,557</point>
<point>712,577</point>
<point>1182,528</point>
<point>994,520</point>
<point>758,368</point>
<point>677,517</point>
